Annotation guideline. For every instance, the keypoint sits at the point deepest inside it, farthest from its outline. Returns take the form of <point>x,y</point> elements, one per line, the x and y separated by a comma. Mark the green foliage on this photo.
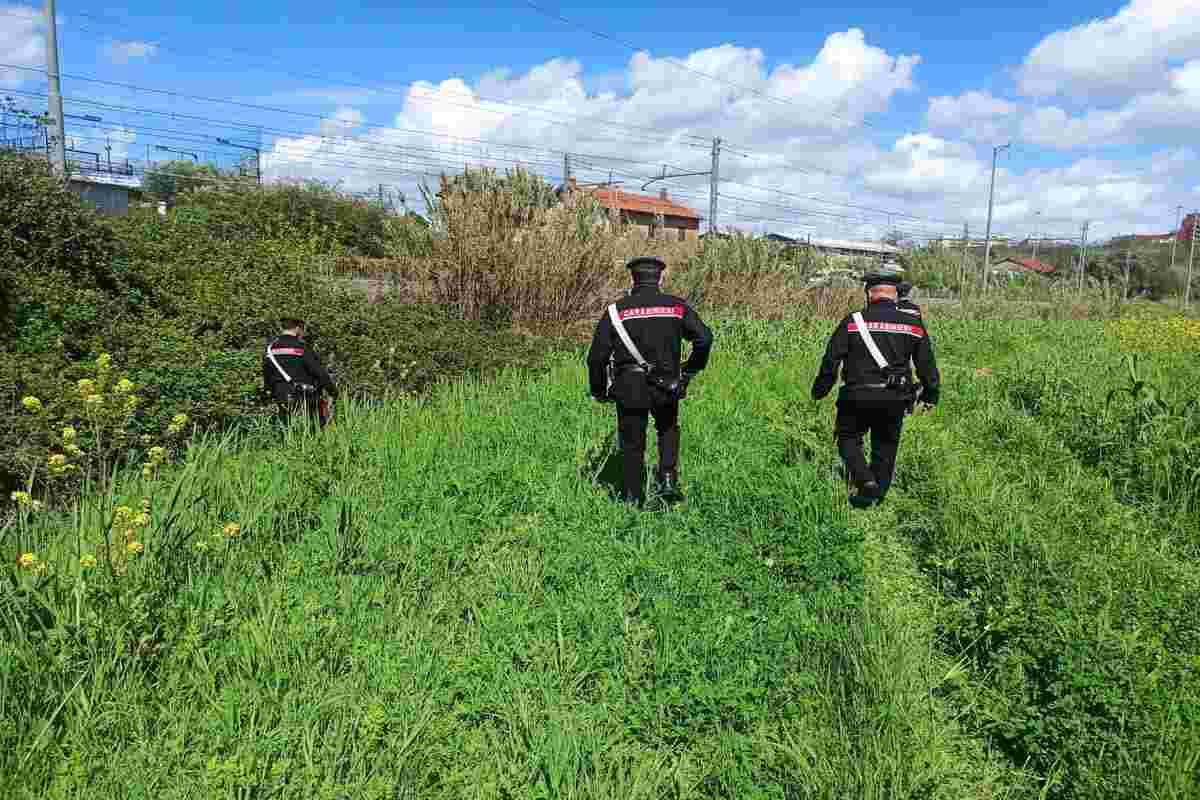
<point>309,211</point>
<point>186,303</point>
<point>170,179</point>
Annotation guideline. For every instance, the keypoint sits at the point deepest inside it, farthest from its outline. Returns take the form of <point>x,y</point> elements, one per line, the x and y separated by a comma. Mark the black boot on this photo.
<point>868,494</point>
<point>668,485</point>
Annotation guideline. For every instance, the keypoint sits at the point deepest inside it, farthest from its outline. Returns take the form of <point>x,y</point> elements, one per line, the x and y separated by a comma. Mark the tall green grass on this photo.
<point>432,600</point>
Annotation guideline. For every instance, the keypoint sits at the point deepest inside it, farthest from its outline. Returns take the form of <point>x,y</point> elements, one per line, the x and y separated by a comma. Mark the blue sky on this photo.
<point>871,106</point>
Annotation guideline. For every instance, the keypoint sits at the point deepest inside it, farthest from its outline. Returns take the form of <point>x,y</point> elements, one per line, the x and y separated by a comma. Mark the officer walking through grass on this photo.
<point>902,301</point>
<point>294,376</point>
<point>874,347</point>
<point>634,362</point>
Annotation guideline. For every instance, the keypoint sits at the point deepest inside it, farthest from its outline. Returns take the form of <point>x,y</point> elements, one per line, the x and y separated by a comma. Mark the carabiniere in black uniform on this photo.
<point>296,384</point>
<point>656,323</point>
<point>873,399</point>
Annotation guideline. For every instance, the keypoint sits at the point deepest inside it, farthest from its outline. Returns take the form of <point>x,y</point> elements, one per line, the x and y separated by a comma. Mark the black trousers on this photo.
<point>879,412</point>
<point>631,425</point>
<point>306,407</point>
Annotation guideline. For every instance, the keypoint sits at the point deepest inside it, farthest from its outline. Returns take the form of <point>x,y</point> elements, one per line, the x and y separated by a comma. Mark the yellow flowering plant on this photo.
<point>86,427</point>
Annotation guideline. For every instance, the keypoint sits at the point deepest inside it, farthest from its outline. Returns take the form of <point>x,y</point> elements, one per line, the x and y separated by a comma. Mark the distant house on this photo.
<point>1143,238</point>
<point>107,192</point>
<point>838,247</point>
<point>1021,266</point>
<point>657,217</point>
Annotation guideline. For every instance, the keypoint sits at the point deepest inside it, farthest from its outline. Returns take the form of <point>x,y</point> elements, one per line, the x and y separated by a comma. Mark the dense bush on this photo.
<point>311,211</point>
<point>183,305</point>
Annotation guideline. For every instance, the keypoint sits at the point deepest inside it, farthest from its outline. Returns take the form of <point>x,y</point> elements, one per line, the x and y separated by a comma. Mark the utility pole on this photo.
<point>58,147</point>
<point>108,150</point>
<point>566,172</point>
<point>712,186</point>
<point>962,266</point>
<point>1125,295</point>
<point>987,248</point>
<point>1187,290</point>
<point>1082,255</point>
<point>1178,231</point>
<point>381,195</point>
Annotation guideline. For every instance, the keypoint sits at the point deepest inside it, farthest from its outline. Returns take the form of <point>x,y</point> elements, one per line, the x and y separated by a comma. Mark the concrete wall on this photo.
<point>108,199</point>
<point>674,228</point>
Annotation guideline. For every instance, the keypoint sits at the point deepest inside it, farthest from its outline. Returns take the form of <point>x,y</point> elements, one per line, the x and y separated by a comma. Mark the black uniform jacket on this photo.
<point>300,362</point>
<point>657,323</point>
<point>900,337</point>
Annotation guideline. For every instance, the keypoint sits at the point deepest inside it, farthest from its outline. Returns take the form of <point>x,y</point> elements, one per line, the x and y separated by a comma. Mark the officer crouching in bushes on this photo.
<point>874,347</point>
<point>634,362</point>
<point>294,376</point>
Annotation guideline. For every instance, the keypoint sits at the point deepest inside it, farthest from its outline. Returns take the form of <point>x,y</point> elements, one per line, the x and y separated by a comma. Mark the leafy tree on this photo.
<point>168,180</point>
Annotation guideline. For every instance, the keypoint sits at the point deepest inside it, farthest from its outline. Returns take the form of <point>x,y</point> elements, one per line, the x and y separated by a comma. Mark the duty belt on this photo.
<point>906,385</point>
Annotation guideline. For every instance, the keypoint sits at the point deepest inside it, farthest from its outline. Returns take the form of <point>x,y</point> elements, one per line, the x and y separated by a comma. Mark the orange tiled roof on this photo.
<point>1032,264</point>
<point>628,201</point>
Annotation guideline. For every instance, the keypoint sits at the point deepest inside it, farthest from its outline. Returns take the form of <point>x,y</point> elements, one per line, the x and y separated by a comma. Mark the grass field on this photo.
<point>432,600</point>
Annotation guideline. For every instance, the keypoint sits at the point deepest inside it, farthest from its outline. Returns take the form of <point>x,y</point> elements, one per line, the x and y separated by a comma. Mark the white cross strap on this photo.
<point>615,317</point>
<point>872,348</point>
<point>271,358</point>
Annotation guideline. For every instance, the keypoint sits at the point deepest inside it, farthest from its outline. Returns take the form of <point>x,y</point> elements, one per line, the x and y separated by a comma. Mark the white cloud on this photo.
<point>1121,55</point>
<point>798,156</point>
<point>1171,113</point>
<point>124,52</point>
<point>22,43</point>
<point>979,116</point>
<point>343,123</point>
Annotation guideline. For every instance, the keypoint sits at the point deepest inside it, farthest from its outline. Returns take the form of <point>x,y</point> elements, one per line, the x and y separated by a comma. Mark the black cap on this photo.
<point>646,264</point>
<point>903,288</point>
<point>877,279</point>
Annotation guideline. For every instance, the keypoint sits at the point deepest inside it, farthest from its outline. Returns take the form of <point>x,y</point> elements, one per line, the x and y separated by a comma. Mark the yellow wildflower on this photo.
<point>134,548</point>
<point>157,455</point>
<point>94,399</point>
<point>22,499</point>
<point>124,386</point>
<point>147,471</point>
<point>142,520</point>
<point>88,561</point>
<point>32,404</point>
<point>104,361</point>
<point>122,513</point>
<point>87,386</point>
<point>68,435</point>
<point>232,530</point>
<point>27,560</point>
<point>201,546</point>
<point>180,420</point>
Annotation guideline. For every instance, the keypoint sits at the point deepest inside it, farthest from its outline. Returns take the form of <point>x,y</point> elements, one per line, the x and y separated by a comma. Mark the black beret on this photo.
<point>877,279</point>
<point>646,263</point>
<point>904,288</point>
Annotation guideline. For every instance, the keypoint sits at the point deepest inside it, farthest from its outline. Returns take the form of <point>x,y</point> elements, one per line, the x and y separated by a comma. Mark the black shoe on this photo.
<point>868,495</point>
<point>668,486</point>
